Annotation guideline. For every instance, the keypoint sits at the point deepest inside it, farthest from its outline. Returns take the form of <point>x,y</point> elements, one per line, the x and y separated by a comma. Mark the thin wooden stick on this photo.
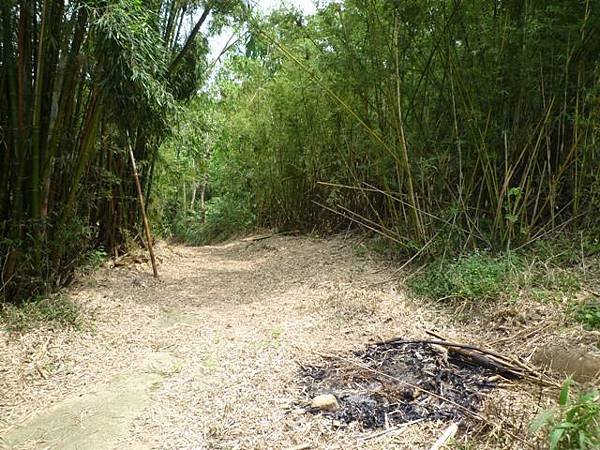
<point>136,176</point>
<point>402,427</point>
<point>366,225</point>
<point>301,447</point>
<point>445,437</point>
<point>525,333</point>
<point>268,236</point>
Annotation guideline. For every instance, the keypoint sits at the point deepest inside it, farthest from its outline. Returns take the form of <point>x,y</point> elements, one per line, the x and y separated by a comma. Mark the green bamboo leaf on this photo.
<point>564,392</point>
<point>555,437</point>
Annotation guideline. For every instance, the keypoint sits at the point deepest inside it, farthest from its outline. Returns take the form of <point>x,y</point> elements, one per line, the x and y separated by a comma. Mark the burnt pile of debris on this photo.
<point>401,381</point>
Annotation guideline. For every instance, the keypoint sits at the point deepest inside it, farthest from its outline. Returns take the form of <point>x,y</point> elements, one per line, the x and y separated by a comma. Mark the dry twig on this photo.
<point>445,437</point>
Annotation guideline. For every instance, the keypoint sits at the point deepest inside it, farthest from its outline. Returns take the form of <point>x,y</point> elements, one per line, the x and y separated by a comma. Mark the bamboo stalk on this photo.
<point>143,209</point>
<point>65,86</point>
<point>36,150</point>
<point>189,41</point>
<point>13,133</point>
<point>414,210</point>
<point>37,114</point>
<point>89,133</point>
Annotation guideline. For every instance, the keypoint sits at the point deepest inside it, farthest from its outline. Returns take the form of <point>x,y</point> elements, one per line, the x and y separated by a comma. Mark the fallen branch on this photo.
<point>528,372</point>
<point>267,236</point>
<point>258,238</point>
<point>470,352</point>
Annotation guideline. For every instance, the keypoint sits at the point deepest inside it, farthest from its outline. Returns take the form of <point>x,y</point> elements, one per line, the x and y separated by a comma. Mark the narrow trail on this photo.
<point>208,356</point>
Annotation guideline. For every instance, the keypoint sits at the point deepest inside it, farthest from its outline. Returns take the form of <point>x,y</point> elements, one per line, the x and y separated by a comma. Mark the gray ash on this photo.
<point>395,383</point>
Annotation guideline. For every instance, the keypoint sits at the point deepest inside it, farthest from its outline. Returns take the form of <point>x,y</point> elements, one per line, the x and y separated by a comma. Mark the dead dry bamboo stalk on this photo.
<point>445,437</point>
<point>136,176</point>
<point>528,372</point>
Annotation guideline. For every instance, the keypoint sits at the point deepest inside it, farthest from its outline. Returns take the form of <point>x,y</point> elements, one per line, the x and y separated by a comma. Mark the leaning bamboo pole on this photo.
<point>138,185</point>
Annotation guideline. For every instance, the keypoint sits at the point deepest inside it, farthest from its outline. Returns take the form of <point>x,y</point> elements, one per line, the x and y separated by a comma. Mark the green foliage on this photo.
<point>589,314</point>
<point>187,208</point>
<point>225,217</point>
<point>409,119</point>
<point>574,424</point>
<point>222,219</point>
<point>131,59</point>
<point>55,311</point>
<point>565,250</point>
<point>478,276</point>
<point>80,84</point>
<point>563,280</point>
<point>74,240</point>
<point>547,272</point>
<point>93,260</point>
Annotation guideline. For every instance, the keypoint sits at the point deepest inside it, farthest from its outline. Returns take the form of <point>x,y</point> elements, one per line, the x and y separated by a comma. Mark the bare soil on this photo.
<point>210,356</point>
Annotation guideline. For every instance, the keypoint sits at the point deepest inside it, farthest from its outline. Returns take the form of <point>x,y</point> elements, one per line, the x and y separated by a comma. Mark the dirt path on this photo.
<point>208,356</point>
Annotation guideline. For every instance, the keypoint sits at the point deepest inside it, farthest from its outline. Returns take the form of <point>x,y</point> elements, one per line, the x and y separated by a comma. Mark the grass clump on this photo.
<point>547,272</point>
<point>56,311</point>
<point>477,276</point>
<point>574,423</point>
<point>589,314</point>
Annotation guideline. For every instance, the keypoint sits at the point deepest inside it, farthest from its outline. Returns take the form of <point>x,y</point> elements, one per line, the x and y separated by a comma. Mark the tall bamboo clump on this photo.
<point>79,81</point>
<point>434,123</point>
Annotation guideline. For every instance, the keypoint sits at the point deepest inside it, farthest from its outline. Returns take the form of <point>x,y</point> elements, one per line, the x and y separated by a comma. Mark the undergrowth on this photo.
<point>93,260</point>
<point>223,218</point>
<point>574,424</point>
<point>478,276</point>
<point>589,314</point>
<point>547,272</point>
<point>56,311</point>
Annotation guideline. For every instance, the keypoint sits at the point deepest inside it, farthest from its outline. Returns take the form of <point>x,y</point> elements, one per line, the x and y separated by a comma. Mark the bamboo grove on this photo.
<point>80,82</point>
<point>439,124</point>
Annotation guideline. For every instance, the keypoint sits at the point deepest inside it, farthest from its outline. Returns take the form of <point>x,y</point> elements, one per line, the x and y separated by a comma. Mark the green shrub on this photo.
<point>226,216</point>
<point>573,424</point>
<point>69,249</point>
<point>471,277</point>
<point>55,311</point>
<point>545,272</point>
<point>93,260</point>
<point>561,250</point>
<point>589,314</point>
